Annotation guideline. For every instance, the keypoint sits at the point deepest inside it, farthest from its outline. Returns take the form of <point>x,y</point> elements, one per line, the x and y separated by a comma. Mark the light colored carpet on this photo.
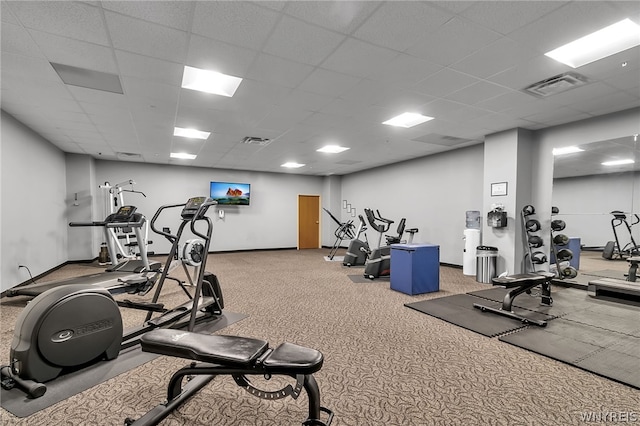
<point>385,364</point>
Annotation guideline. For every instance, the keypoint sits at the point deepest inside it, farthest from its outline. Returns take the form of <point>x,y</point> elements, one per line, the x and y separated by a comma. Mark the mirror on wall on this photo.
<point>588,185</point>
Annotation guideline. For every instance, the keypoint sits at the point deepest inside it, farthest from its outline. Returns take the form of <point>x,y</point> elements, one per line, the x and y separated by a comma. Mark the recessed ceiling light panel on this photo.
<point>183,156</point>
<point>566,150</point>
<point>292,165</point>
<point>190,133</point>
<point>332,149</point>
<point>210,81</point>
<point>618,162</point>
<point>407,119</point>
<point>608,41</point>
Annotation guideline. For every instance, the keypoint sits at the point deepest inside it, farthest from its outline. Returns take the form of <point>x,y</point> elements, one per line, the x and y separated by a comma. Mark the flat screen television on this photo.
<point>230,193</point>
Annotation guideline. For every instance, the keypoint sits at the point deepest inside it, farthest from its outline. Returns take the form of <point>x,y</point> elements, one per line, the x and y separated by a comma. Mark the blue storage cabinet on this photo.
<point>415,268</point>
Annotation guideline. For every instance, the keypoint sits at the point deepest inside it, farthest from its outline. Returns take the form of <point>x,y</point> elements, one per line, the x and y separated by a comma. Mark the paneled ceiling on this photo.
<point>314,73</point>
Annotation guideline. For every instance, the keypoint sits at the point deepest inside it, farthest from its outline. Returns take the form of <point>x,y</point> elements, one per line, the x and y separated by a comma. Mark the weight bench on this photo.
<point>521,283</point>
<point>238,357</point>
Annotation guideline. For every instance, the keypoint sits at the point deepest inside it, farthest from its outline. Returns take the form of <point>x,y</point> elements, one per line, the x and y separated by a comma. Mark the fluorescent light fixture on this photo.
<point>618,162</point>
<point>210,81</point>
<point>407,119</point>
<point>190,133</point>
<point>332,149</point>
<point>292,165</point>
<point>610,40</point>
<point>566,150</point>
<point>183,156</point>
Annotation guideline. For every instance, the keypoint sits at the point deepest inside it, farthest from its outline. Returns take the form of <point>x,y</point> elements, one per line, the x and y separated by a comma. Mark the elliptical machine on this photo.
<point>613,249</point>
<point>358,250</point>
<point>70,327</point>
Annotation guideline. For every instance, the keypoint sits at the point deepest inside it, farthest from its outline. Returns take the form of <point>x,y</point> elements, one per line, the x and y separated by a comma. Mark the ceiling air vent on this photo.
<point>252,140</point>
<point>128,156</point>
<point>556,84</point>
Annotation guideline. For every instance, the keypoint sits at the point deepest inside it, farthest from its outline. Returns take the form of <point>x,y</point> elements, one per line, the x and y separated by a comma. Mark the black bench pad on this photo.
<point>293,359</point>
<point>518,280</point>
<point>214,349</point>
<point>234,351</point>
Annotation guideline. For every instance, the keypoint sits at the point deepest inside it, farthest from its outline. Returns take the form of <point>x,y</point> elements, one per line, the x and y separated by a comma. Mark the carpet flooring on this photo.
<point>384,364</point>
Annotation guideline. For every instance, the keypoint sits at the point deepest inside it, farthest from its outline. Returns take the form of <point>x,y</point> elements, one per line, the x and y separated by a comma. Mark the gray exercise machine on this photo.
<point>74,326</point>
<point>134,276</point>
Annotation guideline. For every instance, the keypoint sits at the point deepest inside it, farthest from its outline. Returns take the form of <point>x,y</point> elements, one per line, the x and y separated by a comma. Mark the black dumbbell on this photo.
<point>528,210</point>
<point>569,272</point>
<point>564,255</point>
<point>532,225</point>
<point>560,240</point>
<point>558,225</point>
<point>535,241</point>
<point>538,257</point>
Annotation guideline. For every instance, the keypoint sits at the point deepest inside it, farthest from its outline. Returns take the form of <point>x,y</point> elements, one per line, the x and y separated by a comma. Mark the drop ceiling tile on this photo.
<point>283,118</point>
<point>444,82</point>
<point>239,23</point>
<point>16,39</point>
<point>100,97</point>
<point>368,92</point>
<point>506,16</point>
<point>528,72</point>
<point>145,38</point>
<point>6,15</point>
<point>581,94</point>
<point>75,53</point>
<point>397,25</point>
<point>302,99</point>
<point>404,71</point>
<point>153,92</point>
<point>27,67</point>
<point>403,101</point>
<point>298,41</point>
<point>151,69</point>
<point>174,14</point>
<point>494,58</point>
<point>68,19</point>
<point>209,54</point>
<point>605,104</point>
<point>328,82</point>
<point>477,92</point>
<point>343,107</point>
<point>558,115</point>
<point>452,42</point>
<point>627,81</point>
<point>358,58</point>
<point>341,16</point>
<point>453,6</point>
<point>505,101</point>
<point>566,24</point>
<point>275,70</point>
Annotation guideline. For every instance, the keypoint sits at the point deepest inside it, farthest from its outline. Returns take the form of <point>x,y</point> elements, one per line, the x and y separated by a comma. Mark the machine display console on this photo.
<point>192,206</point>
<point>124,214</point>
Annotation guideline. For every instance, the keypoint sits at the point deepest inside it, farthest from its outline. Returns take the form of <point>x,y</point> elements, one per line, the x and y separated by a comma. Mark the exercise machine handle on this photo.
<point>167,235</point>
<point>95,223</point>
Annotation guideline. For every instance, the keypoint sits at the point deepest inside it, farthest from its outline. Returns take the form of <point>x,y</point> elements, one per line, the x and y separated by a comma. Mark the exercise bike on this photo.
<point>613,249</point>
<point>71,327</point>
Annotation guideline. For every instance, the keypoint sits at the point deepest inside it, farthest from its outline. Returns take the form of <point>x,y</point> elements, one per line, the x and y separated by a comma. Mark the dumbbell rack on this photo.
<point>532,240</point>
<point>564,254</point>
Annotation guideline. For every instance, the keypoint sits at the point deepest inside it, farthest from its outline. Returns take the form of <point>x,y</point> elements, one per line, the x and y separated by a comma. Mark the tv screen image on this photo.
<point>231,193</point>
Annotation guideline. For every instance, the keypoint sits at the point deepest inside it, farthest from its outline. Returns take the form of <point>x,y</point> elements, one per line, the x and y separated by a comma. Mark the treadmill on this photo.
<point>134,276</point>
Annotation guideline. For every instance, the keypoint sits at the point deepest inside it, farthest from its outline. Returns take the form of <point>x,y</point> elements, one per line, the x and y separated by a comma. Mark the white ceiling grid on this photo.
<point>315,72</point>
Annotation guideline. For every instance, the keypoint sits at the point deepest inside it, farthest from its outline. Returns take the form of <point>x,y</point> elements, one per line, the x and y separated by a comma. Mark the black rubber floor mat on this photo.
<point>16,402</point>
<point>598,350</point>
<point>458,309</point>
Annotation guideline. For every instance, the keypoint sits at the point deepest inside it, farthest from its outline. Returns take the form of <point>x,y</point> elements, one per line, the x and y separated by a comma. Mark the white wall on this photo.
<point>271,221</point>
<point>433,193</point>
<point>34,208</point>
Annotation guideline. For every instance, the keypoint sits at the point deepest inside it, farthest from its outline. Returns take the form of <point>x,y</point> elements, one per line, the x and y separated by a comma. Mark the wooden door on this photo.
<point>308,221</point>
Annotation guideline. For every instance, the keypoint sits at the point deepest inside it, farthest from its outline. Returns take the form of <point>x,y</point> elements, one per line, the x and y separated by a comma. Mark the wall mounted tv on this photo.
<point>230,193</point>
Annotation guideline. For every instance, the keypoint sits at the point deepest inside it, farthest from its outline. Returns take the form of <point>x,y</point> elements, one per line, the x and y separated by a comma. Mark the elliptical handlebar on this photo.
<point>200,214</point>
<point>167,235</point>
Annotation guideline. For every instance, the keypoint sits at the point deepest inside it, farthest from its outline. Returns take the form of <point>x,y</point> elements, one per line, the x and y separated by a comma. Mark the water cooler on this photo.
<point>471,241</point>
